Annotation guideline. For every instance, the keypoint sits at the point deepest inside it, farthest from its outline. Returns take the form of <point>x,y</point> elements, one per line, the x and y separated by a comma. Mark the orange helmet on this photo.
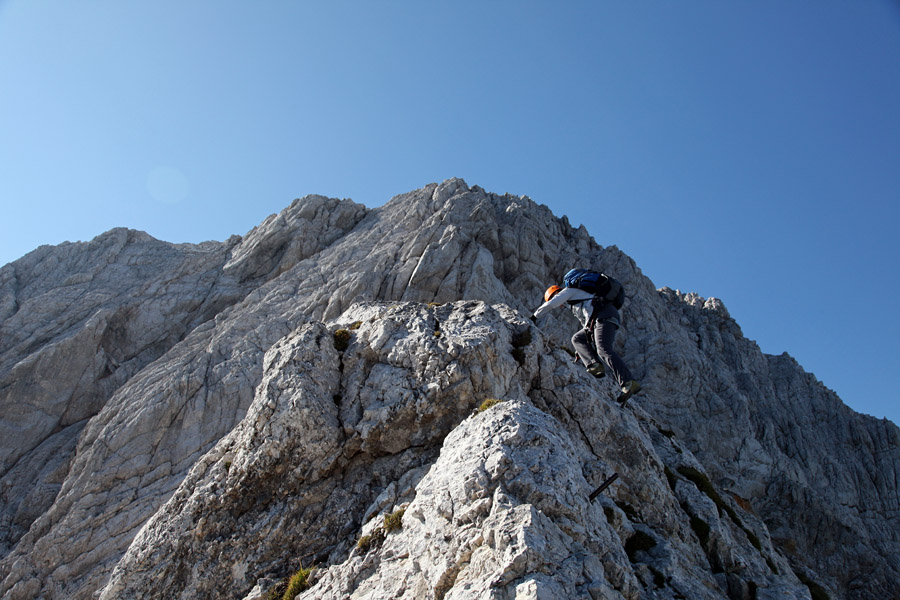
<point>551,291</point>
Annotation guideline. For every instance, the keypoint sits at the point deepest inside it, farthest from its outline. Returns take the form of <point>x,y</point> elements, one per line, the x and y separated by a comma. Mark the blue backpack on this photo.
<point>606,288</point>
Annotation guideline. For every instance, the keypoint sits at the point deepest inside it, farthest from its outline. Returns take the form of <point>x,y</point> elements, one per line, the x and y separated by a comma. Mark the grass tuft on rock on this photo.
<point>373,540</point>
<point>342,339</point>
<point>289,587</point>
<point>489,403</point>
<point>298,582</point>
<point>278,590</point>
<point>394,521</point>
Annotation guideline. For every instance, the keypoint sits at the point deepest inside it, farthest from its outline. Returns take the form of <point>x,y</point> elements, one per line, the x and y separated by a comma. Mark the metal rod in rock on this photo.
<point>602,487</point>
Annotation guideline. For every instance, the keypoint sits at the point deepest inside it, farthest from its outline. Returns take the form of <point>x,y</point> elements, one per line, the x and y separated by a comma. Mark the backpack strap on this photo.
<point>596,304</point>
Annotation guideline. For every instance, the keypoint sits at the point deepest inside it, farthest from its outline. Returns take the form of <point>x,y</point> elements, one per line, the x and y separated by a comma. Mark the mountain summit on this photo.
<point>360,391</point>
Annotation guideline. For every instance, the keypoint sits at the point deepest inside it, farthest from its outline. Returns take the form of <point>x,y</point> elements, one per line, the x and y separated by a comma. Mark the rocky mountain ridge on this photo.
<point>177,421</point>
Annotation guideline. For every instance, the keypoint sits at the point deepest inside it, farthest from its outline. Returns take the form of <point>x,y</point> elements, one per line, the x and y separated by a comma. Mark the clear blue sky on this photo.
<point>744,150</point>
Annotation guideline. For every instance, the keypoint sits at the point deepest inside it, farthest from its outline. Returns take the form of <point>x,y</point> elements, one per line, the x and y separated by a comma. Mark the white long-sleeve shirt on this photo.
<point>582,309</point>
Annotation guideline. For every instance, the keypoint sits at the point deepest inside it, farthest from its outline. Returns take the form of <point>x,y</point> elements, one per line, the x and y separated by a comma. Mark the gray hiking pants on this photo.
<point>605,328</point>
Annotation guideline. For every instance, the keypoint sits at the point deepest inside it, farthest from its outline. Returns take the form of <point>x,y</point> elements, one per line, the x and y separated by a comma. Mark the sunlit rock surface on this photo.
<point>177,421</point>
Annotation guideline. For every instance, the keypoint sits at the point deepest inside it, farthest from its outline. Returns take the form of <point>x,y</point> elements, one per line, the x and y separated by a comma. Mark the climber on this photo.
<point>595,300</point>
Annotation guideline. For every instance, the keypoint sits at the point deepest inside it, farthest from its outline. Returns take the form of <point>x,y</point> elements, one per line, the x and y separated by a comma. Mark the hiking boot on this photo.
<point>596,369</point>
<point>628,390</point>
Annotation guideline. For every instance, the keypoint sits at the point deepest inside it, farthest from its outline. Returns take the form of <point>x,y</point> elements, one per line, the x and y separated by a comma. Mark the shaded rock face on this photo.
<point>178,422</point>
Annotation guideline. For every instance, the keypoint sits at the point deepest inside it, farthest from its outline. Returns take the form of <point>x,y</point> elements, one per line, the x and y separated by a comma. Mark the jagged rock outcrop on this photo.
<point>178,422</point>
<point>335,439</point>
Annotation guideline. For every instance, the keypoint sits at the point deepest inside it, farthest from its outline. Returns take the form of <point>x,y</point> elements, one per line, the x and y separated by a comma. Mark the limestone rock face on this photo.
<point>102,325</point>
<point>325,452</point>
<point>182,421</point>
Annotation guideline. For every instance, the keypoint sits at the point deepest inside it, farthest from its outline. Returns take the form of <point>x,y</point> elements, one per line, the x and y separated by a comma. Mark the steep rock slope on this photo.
<point>84,323</point>
<point>335,440</point>
<point>102,465</point>
<point>78,321</point>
